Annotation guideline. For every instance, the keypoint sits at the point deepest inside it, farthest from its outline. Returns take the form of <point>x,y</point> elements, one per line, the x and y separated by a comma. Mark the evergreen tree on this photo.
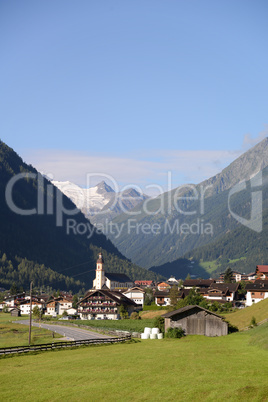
<point>13,289</point>
<point>174,295</point>
<point>228,275</point>
<point>75,301</point>
<point>123,311</point>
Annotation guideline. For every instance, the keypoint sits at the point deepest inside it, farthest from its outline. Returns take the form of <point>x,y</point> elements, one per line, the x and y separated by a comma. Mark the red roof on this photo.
<point>262,268</point>
<point>143,282</point>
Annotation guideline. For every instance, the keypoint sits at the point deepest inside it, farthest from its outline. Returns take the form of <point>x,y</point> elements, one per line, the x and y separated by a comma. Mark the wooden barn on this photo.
<point>15,312</point>
<point>195,320</point>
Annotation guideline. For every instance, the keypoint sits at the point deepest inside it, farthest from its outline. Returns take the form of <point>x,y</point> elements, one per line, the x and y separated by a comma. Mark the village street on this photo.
<point>70,333</point>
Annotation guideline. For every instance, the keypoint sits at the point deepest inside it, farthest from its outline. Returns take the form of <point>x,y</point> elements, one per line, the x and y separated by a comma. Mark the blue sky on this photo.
<point>133,89</point>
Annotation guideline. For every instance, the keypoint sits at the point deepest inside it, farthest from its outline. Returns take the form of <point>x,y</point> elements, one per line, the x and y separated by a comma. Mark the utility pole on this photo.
<point>30,326</point>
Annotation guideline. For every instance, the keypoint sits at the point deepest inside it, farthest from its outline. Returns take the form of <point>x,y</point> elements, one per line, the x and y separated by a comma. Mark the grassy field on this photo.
<point>17,335</point>
<point>195,368</point>
<point>123,325</point>
<point>211,266</point>
<point>152,314</point>
<point>242,318</point>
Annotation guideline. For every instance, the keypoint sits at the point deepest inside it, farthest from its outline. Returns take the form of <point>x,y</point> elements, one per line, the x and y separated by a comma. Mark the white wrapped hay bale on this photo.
<point>160,336</point>
<point>147,330</point>
<point>145,336</point>
<point>153,336</point>
<point>155,331</point>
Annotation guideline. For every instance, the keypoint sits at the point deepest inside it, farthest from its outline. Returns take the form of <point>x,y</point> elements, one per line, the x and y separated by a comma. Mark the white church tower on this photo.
<point>99,281</point>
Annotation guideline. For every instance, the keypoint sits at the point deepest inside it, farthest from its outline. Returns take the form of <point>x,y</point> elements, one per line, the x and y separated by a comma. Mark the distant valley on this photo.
<point>194,230</point>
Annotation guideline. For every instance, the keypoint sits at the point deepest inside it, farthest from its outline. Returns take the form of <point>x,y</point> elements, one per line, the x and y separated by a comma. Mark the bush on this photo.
<point>5,309</point>
<point>175,333</point>
<point>159,322</point>
<point>228,306</point>
<point>215,306</point>
<point>123,312</point>
<point>135,316</point>
<point>253,322</point>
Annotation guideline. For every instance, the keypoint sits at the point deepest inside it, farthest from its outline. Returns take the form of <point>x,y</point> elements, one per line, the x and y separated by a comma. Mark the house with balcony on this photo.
<point>57,305</point>
<point>25,306</point>
<point>162,298</point>
<point>261,272</point>
<point>104,304</point>
<point>222,292</point>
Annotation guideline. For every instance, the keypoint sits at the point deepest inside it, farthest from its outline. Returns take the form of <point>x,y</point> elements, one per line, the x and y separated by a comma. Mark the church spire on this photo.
<point>100,274</point>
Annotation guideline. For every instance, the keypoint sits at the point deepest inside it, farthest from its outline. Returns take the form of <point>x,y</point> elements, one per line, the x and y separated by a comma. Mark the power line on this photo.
<point>73,266</point>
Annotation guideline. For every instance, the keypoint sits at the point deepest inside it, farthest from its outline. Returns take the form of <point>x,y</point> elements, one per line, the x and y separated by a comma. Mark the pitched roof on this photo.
<point>232,287</point>
<point>143,282</point>
<point>135,288</point>
<point>257,286</point>
<point>198,282</point>
<point>162,293</point>
<point>115,277</point>
<point>117,297</point>
<point>262,268</point>
<point>188,308</point>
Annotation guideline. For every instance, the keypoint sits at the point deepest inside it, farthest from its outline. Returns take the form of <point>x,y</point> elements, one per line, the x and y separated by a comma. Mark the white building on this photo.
<point>109,280</point>
<point>136,294</point>
<point>25,306</point>
<point>256,292</point>
<point>162,298</point>
<point>58,305</point>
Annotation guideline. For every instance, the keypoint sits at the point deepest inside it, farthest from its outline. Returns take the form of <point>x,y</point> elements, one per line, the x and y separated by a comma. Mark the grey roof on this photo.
<point>115,277</point>
<point>162,293</point>
<point>187,308</point>
<point>260,285</point>
<point>198,282</point>
<point>232,287</point>
<point>117,297</point>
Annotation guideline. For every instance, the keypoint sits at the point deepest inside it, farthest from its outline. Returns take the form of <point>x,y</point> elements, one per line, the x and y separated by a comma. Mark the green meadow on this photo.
<point>194,368</point>
<point>12,334</point>
<point>242,318</point>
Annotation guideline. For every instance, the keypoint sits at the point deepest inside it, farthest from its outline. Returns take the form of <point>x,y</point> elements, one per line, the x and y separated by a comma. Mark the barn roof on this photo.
<point>188,308</point>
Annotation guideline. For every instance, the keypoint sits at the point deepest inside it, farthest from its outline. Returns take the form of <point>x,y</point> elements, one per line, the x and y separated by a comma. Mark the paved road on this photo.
<point>71,333</point>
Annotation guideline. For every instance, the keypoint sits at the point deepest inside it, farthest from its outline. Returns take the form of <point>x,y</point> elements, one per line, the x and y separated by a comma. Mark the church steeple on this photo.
<point>100,274</point>
<point>100,259</point>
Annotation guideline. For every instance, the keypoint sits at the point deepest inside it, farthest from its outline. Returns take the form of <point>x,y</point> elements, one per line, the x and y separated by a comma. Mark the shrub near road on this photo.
<point>194,368</point>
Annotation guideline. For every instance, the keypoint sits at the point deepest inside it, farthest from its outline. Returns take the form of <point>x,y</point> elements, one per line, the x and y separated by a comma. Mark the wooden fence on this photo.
<point>60,345</point>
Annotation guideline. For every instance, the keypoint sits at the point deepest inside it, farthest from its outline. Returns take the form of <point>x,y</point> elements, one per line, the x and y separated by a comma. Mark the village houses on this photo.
<point>105,301</point>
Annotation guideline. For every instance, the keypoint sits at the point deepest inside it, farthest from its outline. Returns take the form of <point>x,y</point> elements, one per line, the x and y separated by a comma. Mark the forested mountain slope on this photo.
<point>39,223</point>
<point>201,216</point>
